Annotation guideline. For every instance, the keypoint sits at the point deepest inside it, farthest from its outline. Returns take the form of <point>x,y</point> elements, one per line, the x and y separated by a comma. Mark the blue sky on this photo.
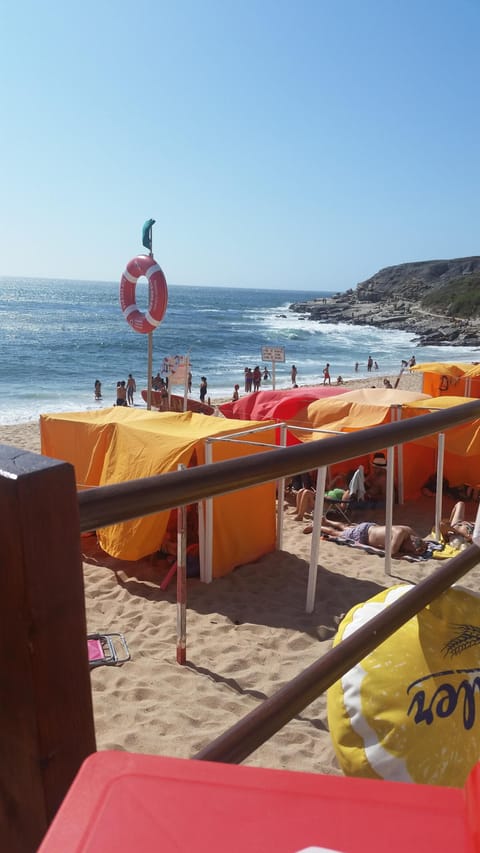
<point>301,144</point>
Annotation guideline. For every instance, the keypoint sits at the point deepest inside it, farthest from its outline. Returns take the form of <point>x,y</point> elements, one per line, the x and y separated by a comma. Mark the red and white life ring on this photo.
<point>157,293</point>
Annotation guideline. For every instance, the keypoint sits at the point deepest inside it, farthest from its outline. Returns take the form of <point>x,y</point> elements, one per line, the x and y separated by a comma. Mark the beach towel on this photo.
<point>443,550</point>
<point>357,484</point>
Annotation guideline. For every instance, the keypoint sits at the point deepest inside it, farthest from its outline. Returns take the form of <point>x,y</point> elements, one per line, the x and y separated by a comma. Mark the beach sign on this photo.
<point>408,711</point>
<point>273,354</point>
<point>176,368</point>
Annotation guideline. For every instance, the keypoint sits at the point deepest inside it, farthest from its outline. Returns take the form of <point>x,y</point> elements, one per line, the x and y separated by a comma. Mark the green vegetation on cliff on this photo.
<point>460,297</point>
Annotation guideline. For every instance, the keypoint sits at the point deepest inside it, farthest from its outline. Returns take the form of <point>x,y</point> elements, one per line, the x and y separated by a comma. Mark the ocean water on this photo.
<point>58,336</point>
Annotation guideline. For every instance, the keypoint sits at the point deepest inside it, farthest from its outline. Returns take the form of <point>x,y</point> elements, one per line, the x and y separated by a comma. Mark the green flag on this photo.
<point>147,234</point>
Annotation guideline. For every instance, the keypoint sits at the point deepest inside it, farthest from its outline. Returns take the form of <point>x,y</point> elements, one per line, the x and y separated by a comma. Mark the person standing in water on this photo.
<point>293,374</point>
<point>131,388</point>
<point>326,374</point>
<point>98,389</point>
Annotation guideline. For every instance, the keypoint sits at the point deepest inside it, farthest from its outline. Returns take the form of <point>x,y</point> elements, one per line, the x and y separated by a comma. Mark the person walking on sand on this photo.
<point>203,388</point>
<point>326,374</point>
<point>131,388</point>
<point>293,374</point>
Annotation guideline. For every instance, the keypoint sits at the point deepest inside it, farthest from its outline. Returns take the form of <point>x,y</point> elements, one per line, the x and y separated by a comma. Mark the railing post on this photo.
<point>46,717</point>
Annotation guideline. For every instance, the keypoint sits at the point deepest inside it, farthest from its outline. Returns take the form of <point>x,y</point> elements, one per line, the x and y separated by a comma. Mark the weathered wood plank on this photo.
<point>46,717</point>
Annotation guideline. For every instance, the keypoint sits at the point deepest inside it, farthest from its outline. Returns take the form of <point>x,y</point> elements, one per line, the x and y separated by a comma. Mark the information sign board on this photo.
<point>273,354</point>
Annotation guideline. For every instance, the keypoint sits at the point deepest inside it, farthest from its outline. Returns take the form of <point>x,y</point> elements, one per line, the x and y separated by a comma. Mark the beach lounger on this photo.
<point>107,649</point>
<point>344,509</point>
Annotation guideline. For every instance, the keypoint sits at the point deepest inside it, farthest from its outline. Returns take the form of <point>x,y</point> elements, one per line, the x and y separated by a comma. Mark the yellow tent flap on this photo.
<point>119,444</point>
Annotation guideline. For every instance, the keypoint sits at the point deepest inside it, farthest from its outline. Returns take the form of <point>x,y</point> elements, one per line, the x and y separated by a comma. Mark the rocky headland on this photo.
<point>398,297</point>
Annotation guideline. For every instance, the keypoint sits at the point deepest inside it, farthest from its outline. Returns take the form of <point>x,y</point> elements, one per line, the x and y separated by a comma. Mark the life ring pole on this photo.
<point>149,370</point>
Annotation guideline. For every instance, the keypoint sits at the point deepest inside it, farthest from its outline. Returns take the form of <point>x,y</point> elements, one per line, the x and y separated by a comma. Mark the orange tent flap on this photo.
<point>462,447</point>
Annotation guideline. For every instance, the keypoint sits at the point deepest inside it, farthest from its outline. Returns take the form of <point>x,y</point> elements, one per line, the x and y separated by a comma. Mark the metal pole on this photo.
<point>181,581</point>
<point>208,522</point>
<point>149,370</point>
<point>281,493</point>
<point>439,492</point>
<point>317,523</point>
<point>389,511</point>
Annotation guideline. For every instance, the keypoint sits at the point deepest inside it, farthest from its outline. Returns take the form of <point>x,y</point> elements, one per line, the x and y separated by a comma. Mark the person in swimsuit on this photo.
<point>404,540</point>
<point>456,527</point>
<point>305,497</point>
<point>131,388</point>
<point>121,393</point>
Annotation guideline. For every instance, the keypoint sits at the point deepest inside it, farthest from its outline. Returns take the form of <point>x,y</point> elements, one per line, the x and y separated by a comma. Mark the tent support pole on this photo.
<point>181,581</point>
<point>201,537</point>
<point>281,493</point>
<point>208,522</point>
<point>389,511</point>
<point>439,492</point>
<point>317,523</point>
<point>400,478</point>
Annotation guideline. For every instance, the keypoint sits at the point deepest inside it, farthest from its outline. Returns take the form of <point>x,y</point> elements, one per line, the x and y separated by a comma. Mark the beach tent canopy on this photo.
<point>118,444</point>
<point>449,378</point>
<point>359,409</point>
<point>356,410</point>
<point>282,405</point>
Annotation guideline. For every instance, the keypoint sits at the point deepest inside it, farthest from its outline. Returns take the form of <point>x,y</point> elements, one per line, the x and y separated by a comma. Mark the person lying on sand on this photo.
<point>456,527</point>
<point>404,540</point>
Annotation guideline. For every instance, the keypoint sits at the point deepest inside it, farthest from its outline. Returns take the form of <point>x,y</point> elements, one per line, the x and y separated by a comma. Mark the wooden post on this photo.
<point>46,717</point>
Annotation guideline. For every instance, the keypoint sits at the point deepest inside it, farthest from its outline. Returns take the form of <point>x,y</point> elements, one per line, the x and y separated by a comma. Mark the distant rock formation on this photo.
<point>392,298</point>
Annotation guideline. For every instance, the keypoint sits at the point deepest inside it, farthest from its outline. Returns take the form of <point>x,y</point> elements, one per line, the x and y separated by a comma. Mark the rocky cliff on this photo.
<point>397,297</point>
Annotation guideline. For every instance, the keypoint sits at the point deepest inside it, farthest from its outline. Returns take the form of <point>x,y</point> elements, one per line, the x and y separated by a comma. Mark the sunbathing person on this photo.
<point>456,527</point>
<point>404,540</point>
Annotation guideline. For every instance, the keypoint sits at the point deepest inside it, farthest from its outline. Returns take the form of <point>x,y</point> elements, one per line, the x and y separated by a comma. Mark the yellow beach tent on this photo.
<point>118,444</point>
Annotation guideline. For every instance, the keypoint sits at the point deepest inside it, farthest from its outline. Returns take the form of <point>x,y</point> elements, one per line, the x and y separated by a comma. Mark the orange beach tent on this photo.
<point>119,444</point>
<point>461,452</point>
<point>450,378</point>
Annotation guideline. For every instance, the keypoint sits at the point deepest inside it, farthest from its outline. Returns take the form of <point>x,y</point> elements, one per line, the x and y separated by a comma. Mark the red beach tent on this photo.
<point>281,405</point>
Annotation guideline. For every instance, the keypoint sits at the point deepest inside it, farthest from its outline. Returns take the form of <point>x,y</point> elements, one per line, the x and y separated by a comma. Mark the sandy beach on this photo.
<point>247,634</point>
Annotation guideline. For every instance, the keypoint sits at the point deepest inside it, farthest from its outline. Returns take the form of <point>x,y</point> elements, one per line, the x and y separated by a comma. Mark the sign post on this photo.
<point>273,354</point>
